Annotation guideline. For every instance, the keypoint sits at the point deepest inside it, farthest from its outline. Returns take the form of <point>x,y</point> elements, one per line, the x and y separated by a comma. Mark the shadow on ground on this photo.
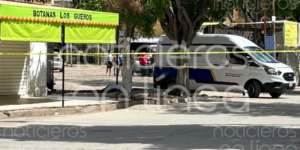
<point>237,108</point>
<point>113,82</point>
<point>20,101</point>
<point>176,137</point>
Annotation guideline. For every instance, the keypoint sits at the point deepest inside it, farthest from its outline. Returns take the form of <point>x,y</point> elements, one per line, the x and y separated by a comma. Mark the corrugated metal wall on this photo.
<point>13,69</point>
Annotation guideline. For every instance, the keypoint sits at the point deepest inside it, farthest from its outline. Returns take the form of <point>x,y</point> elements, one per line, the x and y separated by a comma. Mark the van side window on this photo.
<point>236,58</point>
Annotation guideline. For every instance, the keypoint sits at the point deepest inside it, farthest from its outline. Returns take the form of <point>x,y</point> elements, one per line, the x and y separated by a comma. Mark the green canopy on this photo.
<point>26,22</point>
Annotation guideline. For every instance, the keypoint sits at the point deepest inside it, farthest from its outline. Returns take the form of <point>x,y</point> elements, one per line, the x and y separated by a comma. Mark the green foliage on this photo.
<point>209,9</point>
<point>189,6</point>
<point>95,5</point>
<point>296,13</point>
<point>283,8</point>
<point>143,18</point>
<point>218,11</point>
<point>143,22</point>
<point>158,7</point>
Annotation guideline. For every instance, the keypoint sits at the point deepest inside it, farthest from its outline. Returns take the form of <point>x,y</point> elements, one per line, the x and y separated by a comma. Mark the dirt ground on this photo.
<point>85,77</point>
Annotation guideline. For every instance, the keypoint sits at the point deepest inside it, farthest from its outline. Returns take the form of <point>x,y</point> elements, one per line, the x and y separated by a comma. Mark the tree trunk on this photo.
<point>258,11</point>
<point>127,61</point>
<point>182,71</point>
<point>181,28</point>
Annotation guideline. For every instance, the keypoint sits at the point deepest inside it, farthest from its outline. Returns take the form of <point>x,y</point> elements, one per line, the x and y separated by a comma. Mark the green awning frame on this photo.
<point>27,22</point>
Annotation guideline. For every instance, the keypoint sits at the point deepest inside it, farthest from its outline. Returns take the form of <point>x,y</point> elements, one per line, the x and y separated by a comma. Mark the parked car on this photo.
<point>151,48</point>
<point>57,63</point>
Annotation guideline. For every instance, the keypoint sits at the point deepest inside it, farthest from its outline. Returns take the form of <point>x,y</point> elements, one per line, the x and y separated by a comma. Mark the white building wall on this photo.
<point>37,70</point>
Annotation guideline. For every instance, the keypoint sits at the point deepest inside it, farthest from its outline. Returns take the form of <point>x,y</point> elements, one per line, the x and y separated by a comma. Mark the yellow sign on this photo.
<point>290,33</point>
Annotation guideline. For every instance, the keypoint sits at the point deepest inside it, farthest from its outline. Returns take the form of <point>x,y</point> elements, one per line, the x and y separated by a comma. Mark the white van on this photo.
<point>250,68</point>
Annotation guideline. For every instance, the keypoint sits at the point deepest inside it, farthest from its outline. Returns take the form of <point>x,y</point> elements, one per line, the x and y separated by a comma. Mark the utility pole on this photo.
<point>273,16</point>
<point>117,70</point>
<point>265,17</point>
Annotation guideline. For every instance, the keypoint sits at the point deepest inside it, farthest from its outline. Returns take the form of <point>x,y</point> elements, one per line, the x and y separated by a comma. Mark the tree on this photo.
<point>284,8</point>
<point>181,20</point>
<point>296,13</point>
<point>137,16</point>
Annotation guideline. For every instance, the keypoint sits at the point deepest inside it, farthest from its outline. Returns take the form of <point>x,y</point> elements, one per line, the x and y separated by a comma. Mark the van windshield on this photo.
<point>260,55</point>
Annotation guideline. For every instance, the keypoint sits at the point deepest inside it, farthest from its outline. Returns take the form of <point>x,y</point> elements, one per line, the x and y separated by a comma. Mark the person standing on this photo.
<point>116,63</point>
<point>132,57</point>
<point>81,57</point>
<point>153,60</point>
<point>109,59</point>
<point>121,62</point>
<point>143,63</point>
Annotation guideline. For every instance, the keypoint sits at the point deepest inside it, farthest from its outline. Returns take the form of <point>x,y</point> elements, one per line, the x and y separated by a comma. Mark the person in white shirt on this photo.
<point>109,59</point>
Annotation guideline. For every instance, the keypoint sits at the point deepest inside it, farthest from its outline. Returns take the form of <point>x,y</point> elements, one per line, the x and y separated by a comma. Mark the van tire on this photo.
<point>275,95</point>
<point>254,89</point>
<point>170,84</point>
<point>166,84</point>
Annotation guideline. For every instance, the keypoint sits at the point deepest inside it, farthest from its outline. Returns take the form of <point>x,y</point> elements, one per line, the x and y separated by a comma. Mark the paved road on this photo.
<point>268,125</point>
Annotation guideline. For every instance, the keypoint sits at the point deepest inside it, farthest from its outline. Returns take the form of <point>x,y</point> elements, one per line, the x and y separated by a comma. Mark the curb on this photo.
<point>46,111</point>
<point>39,112</point>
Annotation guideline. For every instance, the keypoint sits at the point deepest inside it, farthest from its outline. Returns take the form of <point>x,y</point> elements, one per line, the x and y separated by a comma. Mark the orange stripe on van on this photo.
<point>212,73</point>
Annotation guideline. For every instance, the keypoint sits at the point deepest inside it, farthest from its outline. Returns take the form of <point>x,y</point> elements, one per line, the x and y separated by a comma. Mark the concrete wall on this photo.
<point>37,70</point>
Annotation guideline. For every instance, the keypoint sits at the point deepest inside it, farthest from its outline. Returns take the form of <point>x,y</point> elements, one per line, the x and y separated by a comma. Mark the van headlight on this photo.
<point>272,71</point>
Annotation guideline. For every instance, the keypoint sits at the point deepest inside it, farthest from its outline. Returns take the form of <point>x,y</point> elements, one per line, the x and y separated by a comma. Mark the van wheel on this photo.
<point>170,84</point>
<point>254,89</point>
<point>166,85</point>
<point>275,95</point>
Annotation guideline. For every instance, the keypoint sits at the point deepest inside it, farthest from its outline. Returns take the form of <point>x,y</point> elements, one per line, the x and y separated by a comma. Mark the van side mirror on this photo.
<point>248,57</point>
